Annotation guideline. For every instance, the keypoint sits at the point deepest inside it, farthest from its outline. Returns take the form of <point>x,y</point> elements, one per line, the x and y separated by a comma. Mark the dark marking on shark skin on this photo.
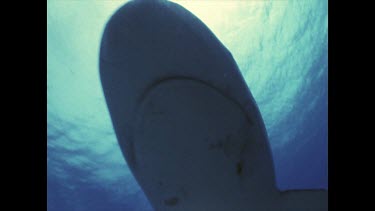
<point>171,201</point>
<point>231,146</point>
<point>239,168</point>
<point>225,144</point>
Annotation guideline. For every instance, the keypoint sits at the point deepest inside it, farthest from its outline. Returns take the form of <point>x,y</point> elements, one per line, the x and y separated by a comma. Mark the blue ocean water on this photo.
<point>280,47</point>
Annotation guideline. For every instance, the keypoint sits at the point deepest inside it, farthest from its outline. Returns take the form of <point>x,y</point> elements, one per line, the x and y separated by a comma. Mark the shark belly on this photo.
<point>195,149</point>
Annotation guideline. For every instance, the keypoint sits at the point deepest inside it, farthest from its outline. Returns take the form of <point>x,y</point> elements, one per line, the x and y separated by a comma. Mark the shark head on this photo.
<point>185,119</point>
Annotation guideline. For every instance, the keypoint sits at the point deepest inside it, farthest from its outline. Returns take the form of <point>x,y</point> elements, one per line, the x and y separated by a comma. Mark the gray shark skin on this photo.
<point>184,117</point>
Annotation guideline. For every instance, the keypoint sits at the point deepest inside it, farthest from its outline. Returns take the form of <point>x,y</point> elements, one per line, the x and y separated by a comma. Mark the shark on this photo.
<point>184,117</point>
